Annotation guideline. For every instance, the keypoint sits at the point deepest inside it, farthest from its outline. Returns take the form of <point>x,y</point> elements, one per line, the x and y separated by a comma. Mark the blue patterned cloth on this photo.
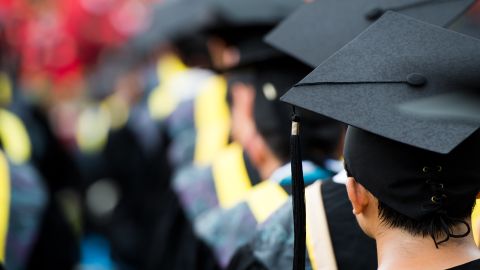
<point>273,242</point>
<point>195,188</point>
<point>28,202</point>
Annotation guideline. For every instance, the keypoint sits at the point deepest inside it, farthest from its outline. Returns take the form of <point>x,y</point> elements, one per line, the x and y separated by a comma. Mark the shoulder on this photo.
<point>272,245</point>
<point>220,221</point>
<point>468,266</point>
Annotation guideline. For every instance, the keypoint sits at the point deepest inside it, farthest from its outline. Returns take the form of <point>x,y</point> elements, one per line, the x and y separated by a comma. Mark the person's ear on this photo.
<point>256,149</point>
<point>243,126</point>
<point>358,196</point>
<point>243,96</point>
<point>222,55</point>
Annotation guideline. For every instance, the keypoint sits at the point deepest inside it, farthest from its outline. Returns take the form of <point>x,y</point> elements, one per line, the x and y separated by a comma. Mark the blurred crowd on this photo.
<point>148,134</point>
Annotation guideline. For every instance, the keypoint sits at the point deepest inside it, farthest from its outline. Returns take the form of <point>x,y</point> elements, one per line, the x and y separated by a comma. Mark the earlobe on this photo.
<point>352,194</point>
<point>358,196</point>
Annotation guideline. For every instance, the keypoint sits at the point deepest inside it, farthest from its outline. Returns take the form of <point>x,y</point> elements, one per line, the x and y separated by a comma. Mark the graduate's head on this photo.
<point>231,47</point>
<point>321,135</point>
<point>260,120</point>
<point>393,185</point>
<point>241,98</point>
<point>193,50</point>
<point>238,27</point>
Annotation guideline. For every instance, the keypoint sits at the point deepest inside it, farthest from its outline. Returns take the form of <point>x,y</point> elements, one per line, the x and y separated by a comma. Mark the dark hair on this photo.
<point>320,136</point>
<point>193,50</point>
<point>435,225</point>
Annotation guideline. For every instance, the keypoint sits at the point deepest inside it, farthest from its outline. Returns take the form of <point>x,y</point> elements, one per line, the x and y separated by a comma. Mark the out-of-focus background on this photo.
<point>98,103</point>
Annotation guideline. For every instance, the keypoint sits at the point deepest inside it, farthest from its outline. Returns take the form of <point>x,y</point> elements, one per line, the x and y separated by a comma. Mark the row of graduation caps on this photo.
<point>384,67</point>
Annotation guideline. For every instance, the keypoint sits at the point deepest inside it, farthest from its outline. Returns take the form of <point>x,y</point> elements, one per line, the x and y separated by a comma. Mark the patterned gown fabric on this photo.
<point>28,202</point>
<point>272,245</point>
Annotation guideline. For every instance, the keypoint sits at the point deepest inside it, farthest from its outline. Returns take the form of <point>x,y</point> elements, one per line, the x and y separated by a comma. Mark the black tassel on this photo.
<point>298,191</point>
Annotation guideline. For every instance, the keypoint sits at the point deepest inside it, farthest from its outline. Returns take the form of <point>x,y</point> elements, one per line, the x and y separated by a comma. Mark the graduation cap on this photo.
<point>272,80</point>
<point>316,30</point>
<point>179,19</point>
<point>244,23</point>
<point>175,20</point>
<point>170,21</point>
<point>417,166</point>
<point>249,12</point>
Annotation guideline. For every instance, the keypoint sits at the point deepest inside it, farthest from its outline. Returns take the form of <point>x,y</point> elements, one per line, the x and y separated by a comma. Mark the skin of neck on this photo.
<point>262,157</point>
<point>398,249</point>
<point>269,166</point>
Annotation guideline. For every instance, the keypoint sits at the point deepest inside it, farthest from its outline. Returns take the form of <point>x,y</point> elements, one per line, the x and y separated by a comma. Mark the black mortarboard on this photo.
<point>417,166</point>
<point>248,12</point>
<point>179,20</point>
<point>316,30</point>
<point>170,21</point>
<point>244,23</point>
<point>397,60</point>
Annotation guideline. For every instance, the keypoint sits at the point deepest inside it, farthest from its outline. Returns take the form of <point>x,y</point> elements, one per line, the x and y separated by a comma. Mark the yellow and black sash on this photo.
<point>14,137</point>
<point>476,222</point>
<point>162,100</point>
<point>212,120</point>
<point>4,204</point>
<point>319,244</point>
<point>230,175</point>
<point>265,198</point>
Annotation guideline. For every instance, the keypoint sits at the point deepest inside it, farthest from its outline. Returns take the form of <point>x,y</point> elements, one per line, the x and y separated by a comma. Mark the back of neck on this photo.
<point>398,249</point>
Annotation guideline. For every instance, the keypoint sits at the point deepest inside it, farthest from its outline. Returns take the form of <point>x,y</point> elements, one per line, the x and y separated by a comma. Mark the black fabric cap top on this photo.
<point>413,181</point>
<point>248,12</point>
<point>316,30</point>
<point>363,83</point>
<point>172,20</point>
<point>179,19</point>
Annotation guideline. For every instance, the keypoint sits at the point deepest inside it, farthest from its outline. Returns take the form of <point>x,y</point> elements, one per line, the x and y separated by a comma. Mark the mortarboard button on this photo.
<point>374,14</point>
<point>416,79</point>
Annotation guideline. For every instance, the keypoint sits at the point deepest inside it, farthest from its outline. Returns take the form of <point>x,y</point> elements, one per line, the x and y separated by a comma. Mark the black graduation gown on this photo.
<point>175,244</point>
<point>468,266</point>
<point>143,180</point>
<point>57,245</point>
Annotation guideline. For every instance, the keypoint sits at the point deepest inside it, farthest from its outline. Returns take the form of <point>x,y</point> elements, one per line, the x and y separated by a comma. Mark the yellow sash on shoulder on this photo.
<point>319,243</point>
<point>212,120</point>
<point>162,100</point>
<point>265,198</point>
<point>14,137</point>
<point>230,175</point>
<point>4,204</point>
<point>476,222</point>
